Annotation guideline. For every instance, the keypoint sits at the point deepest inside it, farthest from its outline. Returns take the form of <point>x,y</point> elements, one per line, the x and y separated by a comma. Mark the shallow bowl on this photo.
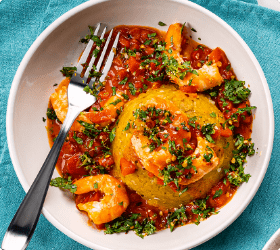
<point>59,46</point>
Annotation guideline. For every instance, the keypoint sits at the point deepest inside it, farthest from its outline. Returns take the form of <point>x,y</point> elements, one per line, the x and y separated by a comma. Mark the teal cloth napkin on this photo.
<point>22,21</point>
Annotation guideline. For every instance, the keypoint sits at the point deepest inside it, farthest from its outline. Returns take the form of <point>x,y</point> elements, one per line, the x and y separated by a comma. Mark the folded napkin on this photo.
<point>23,21</point>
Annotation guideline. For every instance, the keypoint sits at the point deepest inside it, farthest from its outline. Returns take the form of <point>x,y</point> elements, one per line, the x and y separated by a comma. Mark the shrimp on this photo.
<point>199,161</point>
<point>151,161</point>
<point>111,206</point>
<point>59,102</point>
<point>158,159</point>
<point>200,80</point>
<point>204,158</point>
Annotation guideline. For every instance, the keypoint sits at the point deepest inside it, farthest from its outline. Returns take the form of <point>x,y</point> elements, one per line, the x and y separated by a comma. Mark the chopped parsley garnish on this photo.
<point>235,173</point>
<point>116,102</point>
<point>218,193</point>
<point>192,121</point>
<point>208,130</point>
<point>113,91</point>
<point>202,210</point>
<point>112,134</point>
<point>161,23</point>
<point>124,81</point>
<point>126,97</point>
<point>68,71</point>
<point>235,91</point>
<point>132,89</point>
<point>213,114</point>
<point>78,139</point>
<point>51,114</point>
<point>131,223</point>
<point>177,217</point>
<point>127,126</point>
<point>65,184</point>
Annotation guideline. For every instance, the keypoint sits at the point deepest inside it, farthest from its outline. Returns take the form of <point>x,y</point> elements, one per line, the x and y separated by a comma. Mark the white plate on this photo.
<point>58,46</point>
<point>274,242</point>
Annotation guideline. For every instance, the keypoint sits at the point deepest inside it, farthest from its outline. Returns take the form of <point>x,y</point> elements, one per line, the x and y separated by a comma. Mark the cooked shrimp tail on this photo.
<point>111,206</point>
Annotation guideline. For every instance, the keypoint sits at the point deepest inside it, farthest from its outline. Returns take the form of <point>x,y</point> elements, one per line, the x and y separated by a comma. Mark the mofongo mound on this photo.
<point>191,105</point>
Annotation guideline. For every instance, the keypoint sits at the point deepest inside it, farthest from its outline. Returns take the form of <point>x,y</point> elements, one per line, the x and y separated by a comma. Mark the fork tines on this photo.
<point>86,54</point>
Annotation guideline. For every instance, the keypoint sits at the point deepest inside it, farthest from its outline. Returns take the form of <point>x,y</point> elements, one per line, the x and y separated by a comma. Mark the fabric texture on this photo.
<point>23,21</point>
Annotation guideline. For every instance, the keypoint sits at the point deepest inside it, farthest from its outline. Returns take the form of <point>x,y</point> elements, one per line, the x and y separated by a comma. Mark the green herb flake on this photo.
<point>161,23</point>
<point>68,71</point>
<point>213,114</point>
<point>65,184</point>
<point>218,193</point>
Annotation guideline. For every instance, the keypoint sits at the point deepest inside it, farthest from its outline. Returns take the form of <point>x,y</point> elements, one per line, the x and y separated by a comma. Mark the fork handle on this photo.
<point>23,224</point>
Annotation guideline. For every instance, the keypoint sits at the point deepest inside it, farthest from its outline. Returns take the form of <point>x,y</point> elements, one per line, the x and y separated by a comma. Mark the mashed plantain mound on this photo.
<point>147,184</point>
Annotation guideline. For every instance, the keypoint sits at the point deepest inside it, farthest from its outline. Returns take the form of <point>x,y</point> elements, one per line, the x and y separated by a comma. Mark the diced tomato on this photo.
<point>144,35</point>
<point>149,50</point>
<point>106,161</point>
<point>117,61</point>
<point>173,186</point>
<point>73,165</point>
<point>122,73</point>
<point>127,167</point>
<point>150,174</point>
<point>188,89</point>
<point>221,194</point>
<point>134,44</point>
<point>69,148</point>
<point>133,64</point>
<point>160,181</point>
<point>135,33</point>
<point>124,42</point>
<point>218,55</point>
<point>225,132</point>
<point>199,56</point>
<point>101,116</point>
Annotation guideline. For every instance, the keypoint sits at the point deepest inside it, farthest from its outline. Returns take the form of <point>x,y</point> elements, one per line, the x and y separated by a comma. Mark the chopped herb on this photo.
<point>132,89</point>
<point>124,81</point>
<point>218,193</point>
<point>116,102</point>
<point>213,114</point>
<point>177,217</point>
<point>127,126</point>
<point>113,91</point>
<point>202,210</point>
<point>68,71</point>
<point>161,23</point>
<point>152,35</point>
<point>51,114</point>
<point>64,184</point>
<point>208,130</point>
<point>126,97</point>
<point>77,139</point>
<point>112,134</point>
<point>131,223</point>
<point>183,26</point>
<point>235,91</point>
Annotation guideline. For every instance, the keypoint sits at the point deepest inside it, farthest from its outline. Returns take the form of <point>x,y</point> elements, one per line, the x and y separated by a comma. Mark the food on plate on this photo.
<point>166,142</point>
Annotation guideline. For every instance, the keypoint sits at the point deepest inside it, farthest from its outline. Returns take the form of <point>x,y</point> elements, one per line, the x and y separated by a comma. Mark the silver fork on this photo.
<point>23,224</point>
